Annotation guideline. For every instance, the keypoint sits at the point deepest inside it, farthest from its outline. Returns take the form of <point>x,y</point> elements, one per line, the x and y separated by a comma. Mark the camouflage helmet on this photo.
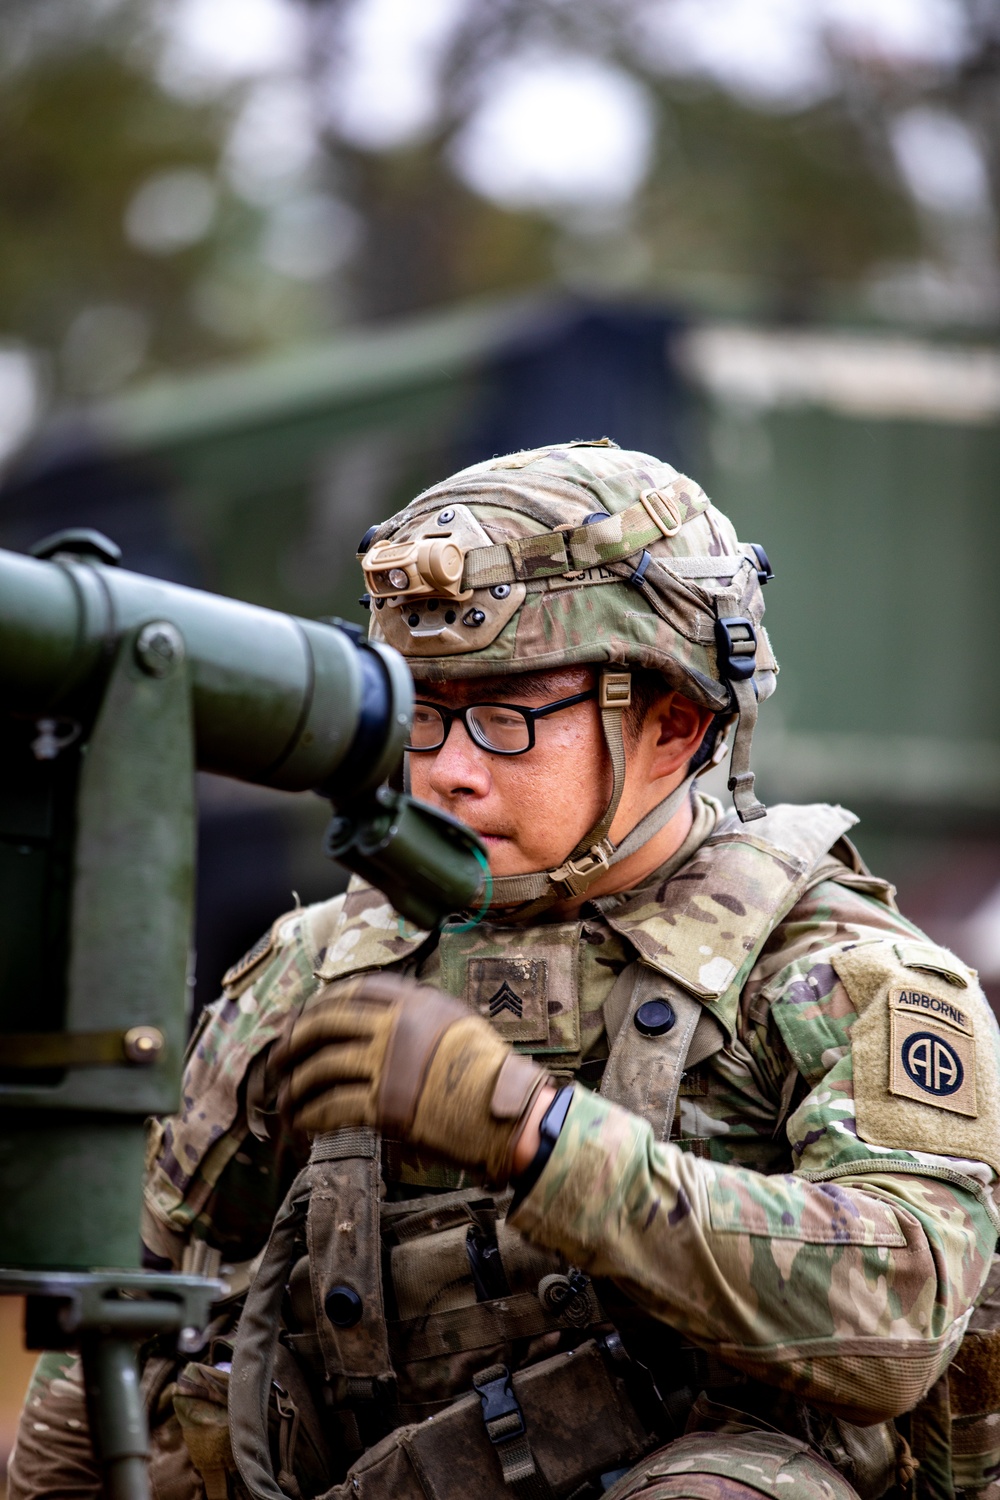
<point>580,552</point>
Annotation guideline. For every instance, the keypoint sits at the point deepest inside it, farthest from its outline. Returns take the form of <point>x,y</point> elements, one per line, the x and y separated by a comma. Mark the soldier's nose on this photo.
<point>460,767</point>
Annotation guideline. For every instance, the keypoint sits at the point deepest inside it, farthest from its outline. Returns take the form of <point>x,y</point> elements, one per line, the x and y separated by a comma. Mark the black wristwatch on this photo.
<point>551,1124</point>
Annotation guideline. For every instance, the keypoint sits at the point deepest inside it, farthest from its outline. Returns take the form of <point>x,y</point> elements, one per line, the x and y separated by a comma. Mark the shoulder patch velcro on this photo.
<point>934,960</point>
<point>238,975</point>
<point>925,1052</point>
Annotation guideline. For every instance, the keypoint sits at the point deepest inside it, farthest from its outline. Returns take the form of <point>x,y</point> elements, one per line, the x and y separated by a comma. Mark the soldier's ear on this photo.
<point>674,728</point>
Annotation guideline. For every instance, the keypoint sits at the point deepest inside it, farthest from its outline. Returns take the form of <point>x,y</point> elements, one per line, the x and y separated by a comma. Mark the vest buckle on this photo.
<point>502,1414</point>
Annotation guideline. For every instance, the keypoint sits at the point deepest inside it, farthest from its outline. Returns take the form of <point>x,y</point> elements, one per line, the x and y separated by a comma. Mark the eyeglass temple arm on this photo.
<point>550,708</point>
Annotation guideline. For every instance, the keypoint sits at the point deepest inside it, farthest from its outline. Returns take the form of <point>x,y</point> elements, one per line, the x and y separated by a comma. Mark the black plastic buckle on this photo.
<point>499,1404</point>
<point>736,644</point>
<point>638,575</point>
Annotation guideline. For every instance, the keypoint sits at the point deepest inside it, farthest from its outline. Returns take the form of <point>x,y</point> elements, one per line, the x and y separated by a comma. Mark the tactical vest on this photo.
<point>445,1351</point>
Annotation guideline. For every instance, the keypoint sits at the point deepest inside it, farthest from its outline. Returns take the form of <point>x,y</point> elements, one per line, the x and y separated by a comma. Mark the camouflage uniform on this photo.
<point>793,1243</point>
<point>817,1273</point>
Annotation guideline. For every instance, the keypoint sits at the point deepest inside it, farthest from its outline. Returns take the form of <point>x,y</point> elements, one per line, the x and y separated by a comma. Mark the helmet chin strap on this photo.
<point>595,852</point>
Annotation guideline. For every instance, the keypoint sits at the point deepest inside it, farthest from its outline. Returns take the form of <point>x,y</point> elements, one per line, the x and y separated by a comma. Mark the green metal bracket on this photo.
<point>71,1156</point>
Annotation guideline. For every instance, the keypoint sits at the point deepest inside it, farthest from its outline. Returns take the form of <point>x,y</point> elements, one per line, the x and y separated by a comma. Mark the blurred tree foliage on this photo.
<point>83,128</point>
<point>88,130</point>
<point>795,204</point>
<point>428,238</point>
<point>788,205</point>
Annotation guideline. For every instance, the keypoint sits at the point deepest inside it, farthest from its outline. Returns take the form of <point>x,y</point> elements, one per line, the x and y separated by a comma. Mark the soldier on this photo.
<point>749,1116</point>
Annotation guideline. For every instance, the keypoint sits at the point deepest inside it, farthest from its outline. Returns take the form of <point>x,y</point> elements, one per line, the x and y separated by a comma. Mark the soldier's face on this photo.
<point>532,810</point>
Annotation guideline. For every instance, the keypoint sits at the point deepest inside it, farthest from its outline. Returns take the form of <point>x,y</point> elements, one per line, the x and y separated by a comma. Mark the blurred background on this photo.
<point>267,267</point>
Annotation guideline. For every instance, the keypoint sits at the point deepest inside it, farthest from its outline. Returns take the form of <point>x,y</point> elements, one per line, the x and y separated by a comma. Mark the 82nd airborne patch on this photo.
<point>932,1051</point>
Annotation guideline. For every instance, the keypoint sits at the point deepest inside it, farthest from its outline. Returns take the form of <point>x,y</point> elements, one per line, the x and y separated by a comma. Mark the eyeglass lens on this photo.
<point>500,728</point>
<point>427,732</point>
<point>495,726</point>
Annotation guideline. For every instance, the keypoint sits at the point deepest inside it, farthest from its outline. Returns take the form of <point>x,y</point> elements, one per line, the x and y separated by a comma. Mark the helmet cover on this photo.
<point>576,553</point>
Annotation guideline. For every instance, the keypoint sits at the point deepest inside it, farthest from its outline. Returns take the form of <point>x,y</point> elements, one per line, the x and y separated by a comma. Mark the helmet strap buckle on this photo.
<point>736,644</point>
<point>614,689</point>
<point>575,875</point>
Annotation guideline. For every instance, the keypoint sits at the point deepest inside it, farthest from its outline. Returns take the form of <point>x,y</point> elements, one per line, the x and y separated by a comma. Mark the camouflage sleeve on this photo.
<point>849,1279</point>
<point>217,1170</point>
<point>52,1458</point>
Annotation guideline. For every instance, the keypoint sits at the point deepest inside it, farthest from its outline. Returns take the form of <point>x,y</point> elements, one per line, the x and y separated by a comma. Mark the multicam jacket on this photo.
<point>816,1219</point>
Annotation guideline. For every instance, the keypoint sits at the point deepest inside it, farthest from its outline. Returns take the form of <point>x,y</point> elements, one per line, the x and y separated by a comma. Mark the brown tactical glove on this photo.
<point>385,1051</point>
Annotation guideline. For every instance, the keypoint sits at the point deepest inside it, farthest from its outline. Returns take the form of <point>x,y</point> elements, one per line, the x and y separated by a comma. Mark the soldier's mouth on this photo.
<point>489,836</point>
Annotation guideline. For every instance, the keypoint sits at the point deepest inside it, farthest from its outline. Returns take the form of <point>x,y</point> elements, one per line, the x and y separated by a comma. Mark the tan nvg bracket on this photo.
<point>415,583</point>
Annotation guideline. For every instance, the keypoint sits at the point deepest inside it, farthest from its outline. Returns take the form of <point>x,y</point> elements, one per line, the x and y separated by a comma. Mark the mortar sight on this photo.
<point>284,702</point>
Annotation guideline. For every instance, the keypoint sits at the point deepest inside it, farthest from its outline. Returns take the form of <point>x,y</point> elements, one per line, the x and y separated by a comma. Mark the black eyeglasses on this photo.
<point>501,728</point>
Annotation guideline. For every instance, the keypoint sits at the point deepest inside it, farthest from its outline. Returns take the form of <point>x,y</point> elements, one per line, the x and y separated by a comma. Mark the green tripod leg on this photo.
<point>117,1418</point>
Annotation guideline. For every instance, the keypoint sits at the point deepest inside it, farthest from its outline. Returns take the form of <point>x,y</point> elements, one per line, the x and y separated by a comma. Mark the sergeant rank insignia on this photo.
<point>933,1052</point>
<point>505,999</point>
<point>513,993</point>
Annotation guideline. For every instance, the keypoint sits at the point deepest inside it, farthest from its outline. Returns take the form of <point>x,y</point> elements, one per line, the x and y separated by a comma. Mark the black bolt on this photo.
<point>654,1018</point>
<point>343,1306</point>
<point>413,620</point>
<point>473,617</point>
